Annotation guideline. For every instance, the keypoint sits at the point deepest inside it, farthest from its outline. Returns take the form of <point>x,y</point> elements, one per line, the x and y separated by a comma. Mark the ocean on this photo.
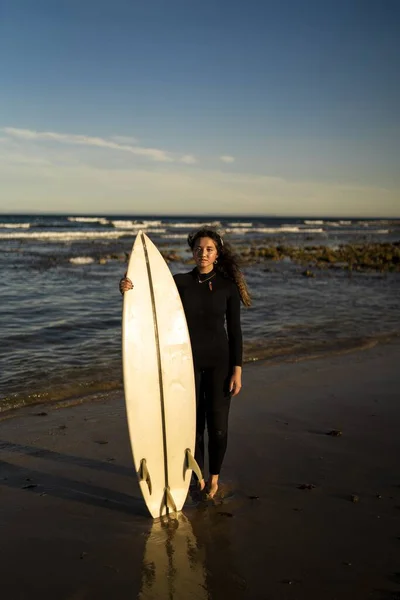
<point>60,308</point>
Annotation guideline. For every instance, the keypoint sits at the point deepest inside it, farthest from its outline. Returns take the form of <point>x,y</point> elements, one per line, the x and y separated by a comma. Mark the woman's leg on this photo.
<point>218,402</point>
<point>200,421</point>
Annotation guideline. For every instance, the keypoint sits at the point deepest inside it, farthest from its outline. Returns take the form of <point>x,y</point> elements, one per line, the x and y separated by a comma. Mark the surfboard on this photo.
<point>158,381</point>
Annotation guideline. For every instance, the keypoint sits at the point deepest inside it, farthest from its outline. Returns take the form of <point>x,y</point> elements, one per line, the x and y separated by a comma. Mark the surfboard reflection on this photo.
<point>192,558</point>
<point>173,564</point>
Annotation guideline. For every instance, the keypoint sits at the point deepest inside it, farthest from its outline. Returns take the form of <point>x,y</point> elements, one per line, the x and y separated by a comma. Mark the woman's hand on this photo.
<point>125,284</point>
<point>236,381</point>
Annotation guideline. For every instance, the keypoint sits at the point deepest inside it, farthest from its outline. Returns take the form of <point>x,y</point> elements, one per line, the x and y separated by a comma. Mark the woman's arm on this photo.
<point>235,340</point>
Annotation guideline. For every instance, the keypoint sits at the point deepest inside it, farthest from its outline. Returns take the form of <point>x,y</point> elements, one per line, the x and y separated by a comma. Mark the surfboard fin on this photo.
<point>144,474</point>
<point>192,464</point>
<point>168,500</point>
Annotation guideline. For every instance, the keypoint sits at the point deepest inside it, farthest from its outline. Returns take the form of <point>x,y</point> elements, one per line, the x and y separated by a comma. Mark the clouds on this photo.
<point>31,186</point>
<point>41,167</point>
<point>115,143</point>
<point>189,159</point>
<point>84,140</point>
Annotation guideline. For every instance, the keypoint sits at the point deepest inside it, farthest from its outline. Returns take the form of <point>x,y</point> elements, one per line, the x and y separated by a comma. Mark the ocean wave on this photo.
<point>193,225</point>
<point>186,225</point>
<point>289,229</point>
<point>61,236</point>
<point>240,224</point>
<point>363,232</point>
<point>135,224</point>
<point>377,222</point>
<point>313,222</point>
<point>81,260</point>
<point>175,236</point>
<point>15,225</point>
<point>101,220</point>
<point>127,225</point>
<point>273,230</point>
<point>339,224</point>
<point>238,230</point>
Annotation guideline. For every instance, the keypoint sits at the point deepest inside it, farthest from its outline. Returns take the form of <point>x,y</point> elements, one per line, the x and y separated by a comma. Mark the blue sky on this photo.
<point>218,107</point>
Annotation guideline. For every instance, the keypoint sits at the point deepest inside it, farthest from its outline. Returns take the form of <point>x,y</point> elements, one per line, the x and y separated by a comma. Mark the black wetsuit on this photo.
<point>208,306</point>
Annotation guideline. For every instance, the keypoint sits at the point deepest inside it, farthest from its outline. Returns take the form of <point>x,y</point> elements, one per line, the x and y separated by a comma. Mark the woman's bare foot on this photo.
<point>202,485</point>
<point>212,486</point>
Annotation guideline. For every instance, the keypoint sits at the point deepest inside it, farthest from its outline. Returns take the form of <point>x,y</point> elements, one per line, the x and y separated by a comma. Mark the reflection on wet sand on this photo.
<point>173,564</point>
<point>191,557</point>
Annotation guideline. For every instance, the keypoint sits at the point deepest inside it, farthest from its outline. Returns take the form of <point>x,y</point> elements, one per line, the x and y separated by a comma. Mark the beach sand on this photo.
<point>73,525</point>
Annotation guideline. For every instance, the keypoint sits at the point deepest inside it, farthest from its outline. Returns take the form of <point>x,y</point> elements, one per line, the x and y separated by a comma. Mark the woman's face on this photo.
<point>205,253</point>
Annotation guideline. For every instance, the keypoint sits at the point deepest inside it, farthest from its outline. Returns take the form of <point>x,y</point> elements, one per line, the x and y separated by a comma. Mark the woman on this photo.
<point>211,295</point>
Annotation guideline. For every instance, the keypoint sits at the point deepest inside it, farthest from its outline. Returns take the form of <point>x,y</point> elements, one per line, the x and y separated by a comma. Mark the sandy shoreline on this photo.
<point>73,525</point>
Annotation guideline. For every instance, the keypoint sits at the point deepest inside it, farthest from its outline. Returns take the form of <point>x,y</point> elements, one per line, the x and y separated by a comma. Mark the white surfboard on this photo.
<point>158,381</point>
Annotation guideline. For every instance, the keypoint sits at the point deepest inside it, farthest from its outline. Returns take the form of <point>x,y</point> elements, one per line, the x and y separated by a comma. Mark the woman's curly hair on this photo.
<point>228,261</point>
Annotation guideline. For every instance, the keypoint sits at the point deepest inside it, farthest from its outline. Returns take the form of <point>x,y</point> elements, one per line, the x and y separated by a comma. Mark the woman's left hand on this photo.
<point>236,381</point>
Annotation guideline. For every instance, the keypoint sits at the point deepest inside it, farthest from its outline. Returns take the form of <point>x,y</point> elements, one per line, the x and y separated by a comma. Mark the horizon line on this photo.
<point>195,215</point>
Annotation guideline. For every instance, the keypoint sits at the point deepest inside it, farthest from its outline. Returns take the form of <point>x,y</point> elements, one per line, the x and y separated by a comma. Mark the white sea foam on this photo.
<point>239,230</point>
<point>81,260</point>
<point>240,224</point>
<point>127,225</point>
<point>175,236</point>
<point>135,225</point>
<point>15,225</point>
<point>277,230</point>
<point>339,223</point>
<point>101,220</point>
<point>375,223</point>
<point>288,229</point>
<point>58,236</point>
<point>185,225</point>
<point>182,225</point>
<point>152,223</point>
<point>313,222</point>
<point>362,232</point>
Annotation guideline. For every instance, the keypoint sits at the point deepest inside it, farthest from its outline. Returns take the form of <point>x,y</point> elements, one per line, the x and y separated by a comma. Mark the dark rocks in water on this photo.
<point>335,433</point>
<point>171,257</point>
<point>380,257</point>
<point>308,273</point>
<point>359,257</point>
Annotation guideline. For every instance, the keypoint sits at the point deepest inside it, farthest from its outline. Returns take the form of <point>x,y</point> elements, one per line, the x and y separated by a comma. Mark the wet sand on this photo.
<point>73,526</point>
